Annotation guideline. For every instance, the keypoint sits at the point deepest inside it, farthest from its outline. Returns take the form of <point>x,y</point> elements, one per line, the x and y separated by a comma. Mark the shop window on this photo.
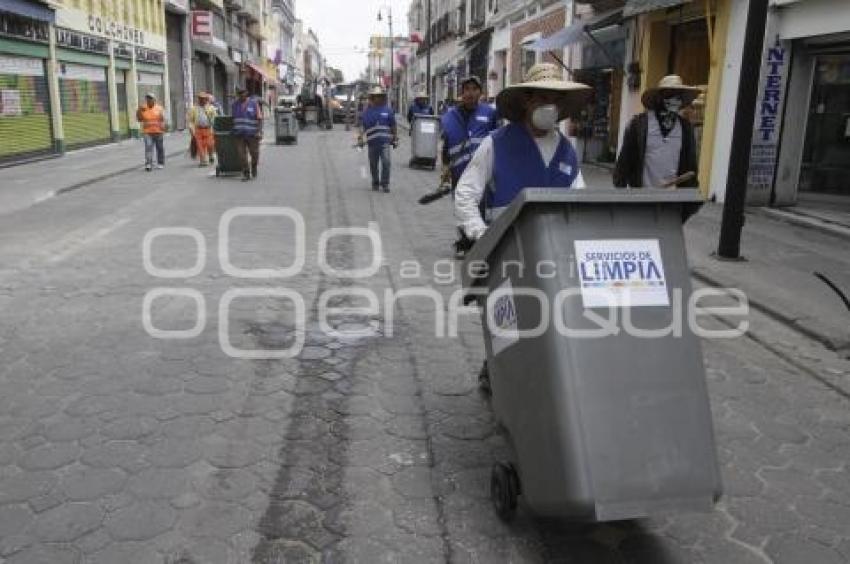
<point>529,59</point>
<point>826,156</point>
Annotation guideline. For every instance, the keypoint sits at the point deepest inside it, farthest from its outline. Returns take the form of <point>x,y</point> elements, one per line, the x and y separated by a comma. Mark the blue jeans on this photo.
<point>154,140</point>
<point>382,153</point>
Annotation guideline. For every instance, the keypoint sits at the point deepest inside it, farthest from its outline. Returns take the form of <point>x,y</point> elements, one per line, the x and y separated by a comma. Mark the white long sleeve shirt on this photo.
<point>478,175</point>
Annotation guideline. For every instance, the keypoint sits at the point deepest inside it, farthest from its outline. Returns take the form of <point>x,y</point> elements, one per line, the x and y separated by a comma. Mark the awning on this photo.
<point>637,7</point>
<point>29,9</point>
<point>575,32</point>
<point>212,49</point>
<point>259,70</point>
<point>470,44</point>
<point>478,36</point>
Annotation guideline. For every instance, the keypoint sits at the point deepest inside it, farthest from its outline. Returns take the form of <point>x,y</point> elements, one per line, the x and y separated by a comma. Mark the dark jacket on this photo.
<point>629,169</point>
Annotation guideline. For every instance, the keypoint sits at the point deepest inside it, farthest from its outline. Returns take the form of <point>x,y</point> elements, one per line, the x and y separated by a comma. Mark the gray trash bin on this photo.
<point>286,126</point>
<point>608,427</point>
<point>423,143</point>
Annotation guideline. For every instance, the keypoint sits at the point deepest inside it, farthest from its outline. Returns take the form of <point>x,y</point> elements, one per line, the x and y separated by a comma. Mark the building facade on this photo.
<point>74,72</point>
<point>282,51</point>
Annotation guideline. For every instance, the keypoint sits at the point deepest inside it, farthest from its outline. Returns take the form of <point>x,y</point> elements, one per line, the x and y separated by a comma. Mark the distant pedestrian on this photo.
<point>420,106</point>
<point>247,131</point>
<point>378,125</point>
<point>200,120</point>
<point>659,145</point>
<point>151,117</point>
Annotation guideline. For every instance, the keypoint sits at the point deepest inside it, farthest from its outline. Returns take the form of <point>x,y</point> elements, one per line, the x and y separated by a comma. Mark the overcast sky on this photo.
<point>346,25</point>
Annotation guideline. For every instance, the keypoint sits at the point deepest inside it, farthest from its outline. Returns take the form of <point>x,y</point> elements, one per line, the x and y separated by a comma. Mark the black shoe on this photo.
<point>387,189</point>
<point>148,168</point>
<point>254,172</point>
<point>375,187</point>
<point>246,176</point>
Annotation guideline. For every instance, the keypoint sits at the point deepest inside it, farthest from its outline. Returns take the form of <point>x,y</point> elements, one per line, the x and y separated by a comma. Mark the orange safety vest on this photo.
<point>151,119</point>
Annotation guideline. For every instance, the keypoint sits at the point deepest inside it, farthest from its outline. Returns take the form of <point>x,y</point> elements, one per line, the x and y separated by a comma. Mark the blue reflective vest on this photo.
<point>417,109</point>
<point>463,137</point>
<point>378,123</point>
<point>517,164</point>
<point>246,118</point>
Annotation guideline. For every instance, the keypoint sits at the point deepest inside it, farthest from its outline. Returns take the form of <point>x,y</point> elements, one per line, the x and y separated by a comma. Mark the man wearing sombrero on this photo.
<point>528,152</point>
<point>200,119</point>
<point>659,146</point>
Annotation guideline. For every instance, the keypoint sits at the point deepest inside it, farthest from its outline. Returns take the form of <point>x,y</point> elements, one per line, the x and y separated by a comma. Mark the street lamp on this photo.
<point>390,20</point>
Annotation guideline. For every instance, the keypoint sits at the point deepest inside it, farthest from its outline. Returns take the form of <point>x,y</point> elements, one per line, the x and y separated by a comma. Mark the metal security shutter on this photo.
<point>85,104</point>
<point>151,82</point>
<point>123,116</point>
<point>25,126</point>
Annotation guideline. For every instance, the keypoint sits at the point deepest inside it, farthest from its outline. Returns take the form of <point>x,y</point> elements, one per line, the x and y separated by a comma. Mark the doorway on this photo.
<point>826,154</point>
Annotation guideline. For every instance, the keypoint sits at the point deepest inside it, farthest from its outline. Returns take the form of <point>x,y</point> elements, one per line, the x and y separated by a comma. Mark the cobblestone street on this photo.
<point>117,447</point>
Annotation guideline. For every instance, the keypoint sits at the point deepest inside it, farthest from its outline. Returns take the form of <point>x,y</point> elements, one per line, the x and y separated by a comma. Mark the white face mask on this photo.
<point>545,117</point>
<point>673,104</point>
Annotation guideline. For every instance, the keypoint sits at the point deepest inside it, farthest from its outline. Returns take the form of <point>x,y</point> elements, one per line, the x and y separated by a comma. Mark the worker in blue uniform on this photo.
<point>378,127</point>
<point>529,151</point>
<point>420,106</point>
<point>464,127</point>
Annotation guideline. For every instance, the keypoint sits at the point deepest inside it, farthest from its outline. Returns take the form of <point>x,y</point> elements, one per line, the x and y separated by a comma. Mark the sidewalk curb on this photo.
<point>108,175</point>
<point>830,342</point>
<point>802,221</point>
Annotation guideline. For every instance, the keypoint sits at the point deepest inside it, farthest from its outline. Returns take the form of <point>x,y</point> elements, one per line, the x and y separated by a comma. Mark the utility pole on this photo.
<point>392,81</point>
<point>729,247</point>
<point>428,54</point>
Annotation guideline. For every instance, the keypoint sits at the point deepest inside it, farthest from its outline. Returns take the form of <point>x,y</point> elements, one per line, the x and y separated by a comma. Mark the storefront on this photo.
<point>25,110</point>
<point>805,82</point>
<point>596,58</point>
<point>84,100</point>
<point>25,127</point>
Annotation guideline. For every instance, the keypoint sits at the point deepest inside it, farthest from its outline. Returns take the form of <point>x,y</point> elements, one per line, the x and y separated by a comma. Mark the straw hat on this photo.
<point>377,91</point>
<point>670,84</point>
<point>204,95</point>
<point>543,76</point>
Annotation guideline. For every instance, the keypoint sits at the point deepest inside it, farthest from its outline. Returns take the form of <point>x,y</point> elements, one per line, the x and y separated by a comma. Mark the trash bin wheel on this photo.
<point>504,489</point>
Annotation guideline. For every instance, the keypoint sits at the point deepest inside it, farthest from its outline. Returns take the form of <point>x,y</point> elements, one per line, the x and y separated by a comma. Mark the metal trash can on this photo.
<point>425,133</point>
<point>311,115</point>
<point>607,427</point>
<point>286,126</point>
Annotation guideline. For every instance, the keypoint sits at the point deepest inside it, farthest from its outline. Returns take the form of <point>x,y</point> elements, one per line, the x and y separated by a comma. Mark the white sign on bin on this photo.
<point>428,127</point>
<point>621,273</point>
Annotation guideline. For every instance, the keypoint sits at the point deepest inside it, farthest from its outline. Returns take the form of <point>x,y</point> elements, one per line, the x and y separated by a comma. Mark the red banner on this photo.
<point>202,24</point>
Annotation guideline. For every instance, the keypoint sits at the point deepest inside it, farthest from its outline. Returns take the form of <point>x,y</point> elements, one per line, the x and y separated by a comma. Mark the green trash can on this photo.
<point>228,158</point>
<point>603,426</point>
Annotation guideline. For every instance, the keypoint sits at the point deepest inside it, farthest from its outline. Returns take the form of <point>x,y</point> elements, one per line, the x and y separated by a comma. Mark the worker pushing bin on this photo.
<point>286,126</point>
<point>604,425</point>
<point>424,140</point>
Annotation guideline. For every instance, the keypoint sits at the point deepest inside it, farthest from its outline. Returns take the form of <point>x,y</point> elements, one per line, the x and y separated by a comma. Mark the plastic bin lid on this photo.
<point>555,196</point>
